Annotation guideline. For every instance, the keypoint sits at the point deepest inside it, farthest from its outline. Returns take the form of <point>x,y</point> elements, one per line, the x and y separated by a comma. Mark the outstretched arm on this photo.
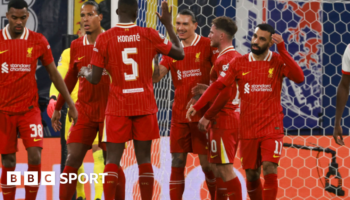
<point>176,50</point>
<point>292,70</point>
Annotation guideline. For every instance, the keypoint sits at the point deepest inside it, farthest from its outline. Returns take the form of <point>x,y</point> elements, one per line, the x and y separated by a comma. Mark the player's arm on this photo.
<point>92,75</point>
<point>70,80</point>
<point>159,70</point>
<point>292,70</point>
<point>209,95</point>
<point>176,50</point>
<point>61,87</point>
<point>219,103</point>
<point>342,97</point>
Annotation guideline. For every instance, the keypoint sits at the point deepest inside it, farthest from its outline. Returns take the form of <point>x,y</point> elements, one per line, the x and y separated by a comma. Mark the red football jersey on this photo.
<point>92,99</point>
<point>225,119</point>
<point>126,51</point>
<point>260,85</point>
<point>194,68</point>
<point>18,60</point>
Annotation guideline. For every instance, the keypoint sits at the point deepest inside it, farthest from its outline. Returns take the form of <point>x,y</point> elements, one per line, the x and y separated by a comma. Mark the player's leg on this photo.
<point>200,146</point>
<point>180,144</point>
<point>114,156</point>
<point>8,164</point>
<point>8,148</point>
<point>117,130</point>
<point>250,158</point>
<point>79,141</point>
<point>80,187</point>
<point>99,167</point>
<point>31,131</point>
<point>271,151</point>
<point>145,129</point>
<point>223,147</point>
<point>120,191</point>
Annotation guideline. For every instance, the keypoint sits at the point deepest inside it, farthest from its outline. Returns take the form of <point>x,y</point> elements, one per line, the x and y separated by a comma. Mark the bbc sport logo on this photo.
<point>49,178</point>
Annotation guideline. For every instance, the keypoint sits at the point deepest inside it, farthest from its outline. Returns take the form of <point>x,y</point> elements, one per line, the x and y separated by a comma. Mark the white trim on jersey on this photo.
<point>86,41</point>
<point>346,61</point>
<point>7,36</point>
<point>267,58</point>
<point>195,40</point>
<point>125,25</point>
<point>227,49</point>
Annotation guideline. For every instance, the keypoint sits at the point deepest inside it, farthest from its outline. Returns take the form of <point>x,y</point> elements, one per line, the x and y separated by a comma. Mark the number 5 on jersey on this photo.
<point>132,62</point>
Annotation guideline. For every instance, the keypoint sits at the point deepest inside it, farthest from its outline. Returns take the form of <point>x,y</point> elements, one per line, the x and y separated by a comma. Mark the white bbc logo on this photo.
<point>31,178</point>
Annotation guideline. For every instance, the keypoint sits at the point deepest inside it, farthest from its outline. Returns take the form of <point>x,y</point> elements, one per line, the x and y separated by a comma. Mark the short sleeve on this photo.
<point>99,52</point>
<point>46,58</point>
<point>346,61</point>
<point>228,77</point>
<point>166,62</point>
<point>161,43</point>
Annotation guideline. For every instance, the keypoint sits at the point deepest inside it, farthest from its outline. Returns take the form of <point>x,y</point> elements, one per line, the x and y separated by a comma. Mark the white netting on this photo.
<point>316,35</point>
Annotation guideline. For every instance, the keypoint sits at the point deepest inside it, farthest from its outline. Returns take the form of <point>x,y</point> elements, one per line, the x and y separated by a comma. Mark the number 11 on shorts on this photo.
<point>278,151</point>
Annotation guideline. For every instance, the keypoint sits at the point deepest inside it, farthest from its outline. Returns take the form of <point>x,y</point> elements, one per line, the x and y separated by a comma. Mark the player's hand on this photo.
<point>190,112</point>
<point>166,16</point>
<point>277,38</point>
<point>84,71</point>
<point>191,102</point>
<point>199,89</point>
<point>203,124</point>
<point>156,59</point>
<point>73,115</point>
<point>338,135</point>
<point>55,120</point>
<point>51,107</point>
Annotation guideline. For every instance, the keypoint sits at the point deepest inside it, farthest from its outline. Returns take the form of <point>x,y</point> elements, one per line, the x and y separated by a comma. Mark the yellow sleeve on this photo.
<point>63,66</point>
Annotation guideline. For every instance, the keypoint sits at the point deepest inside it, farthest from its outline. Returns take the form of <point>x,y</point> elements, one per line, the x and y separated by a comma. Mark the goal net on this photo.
<point>316,34</point>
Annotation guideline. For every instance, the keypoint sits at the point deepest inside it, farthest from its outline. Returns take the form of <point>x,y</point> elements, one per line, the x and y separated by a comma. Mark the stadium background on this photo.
<point>316,34</point>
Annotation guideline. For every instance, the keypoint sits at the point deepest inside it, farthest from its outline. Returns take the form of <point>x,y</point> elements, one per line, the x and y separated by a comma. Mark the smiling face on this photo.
<point>261,41</point>
<point>17,19</point>
<point>90,19</point>
<point>185,26</point>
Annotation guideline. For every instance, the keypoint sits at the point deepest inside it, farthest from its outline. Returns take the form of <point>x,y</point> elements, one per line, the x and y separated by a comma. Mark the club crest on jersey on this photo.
<point>270,72</point>
<point>198,56</point>
<point>225,67</point>
<point>29,51</point>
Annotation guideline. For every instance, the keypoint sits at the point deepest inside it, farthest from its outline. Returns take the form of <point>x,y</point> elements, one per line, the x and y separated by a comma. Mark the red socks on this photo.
<point>146,181</point>
<point>8,191</point>
<point>177,183</point>
<point>254,189</point>
<point>120,190</point>
<point>221,190</point>
<point>211,183</point>
<point>32,190</point>
<point>67,190</point>
<point>270,187</point>
<point>234,189</point>
<point>111,181</point>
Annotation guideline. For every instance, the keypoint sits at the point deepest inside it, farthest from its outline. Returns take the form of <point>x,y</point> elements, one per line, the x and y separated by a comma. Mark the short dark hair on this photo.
<point>127,2</point>
<point>93,3</point>
<point>266,27</point>
<point>226,24</point>
<point>189,13</point>
<point>17,4</point>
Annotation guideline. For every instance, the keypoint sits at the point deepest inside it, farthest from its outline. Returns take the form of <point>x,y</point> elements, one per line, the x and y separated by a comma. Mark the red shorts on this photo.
<point>29,127</point>
<point>223,145</point>
<point>85,131</point>
<point>256,151</point>
<point>185,137</point>
<point>120,129</point>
